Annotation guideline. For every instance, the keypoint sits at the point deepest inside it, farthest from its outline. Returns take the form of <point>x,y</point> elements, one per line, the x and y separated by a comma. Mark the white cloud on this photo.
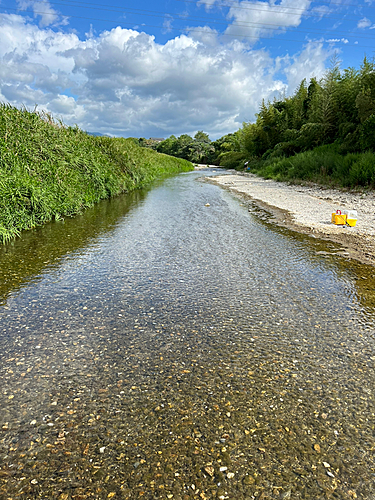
<point>207,3</point>
<point>204,34</point>
<point>308,63</point>
<point>321,11</point>
<point>364,23</point>
<point>255,19</point>
<point>122,82</point>
<point>42,8</point>
<point>337,40</point>
<point>167,23</point>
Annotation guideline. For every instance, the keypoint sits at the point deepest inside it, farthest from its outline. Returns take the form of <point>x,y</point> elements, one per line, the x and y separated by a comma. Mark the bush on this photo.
<point>362,171</point>
<point>324,165</point>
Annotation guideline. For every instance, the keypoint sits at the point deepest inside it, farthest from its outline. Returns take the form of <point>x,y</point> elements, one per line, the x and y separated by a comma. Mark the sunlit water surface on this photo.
<point>156,347</point>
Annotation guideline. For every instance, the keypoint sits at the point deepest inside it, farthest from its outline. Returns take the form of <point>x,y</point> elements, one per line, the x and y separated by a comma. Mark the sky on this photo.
<point>152,69</point>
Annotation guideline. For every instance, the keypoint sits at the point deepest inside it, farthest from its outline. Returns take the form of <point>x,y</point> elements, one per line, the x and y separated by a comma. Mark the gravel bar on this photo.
<point>308,209</point>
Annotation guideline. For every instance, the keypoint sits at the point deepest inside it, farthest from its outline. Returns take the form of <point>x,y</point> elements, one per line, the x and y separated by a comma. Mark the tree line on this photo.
<point>336,112</point>
<point>197,149</point>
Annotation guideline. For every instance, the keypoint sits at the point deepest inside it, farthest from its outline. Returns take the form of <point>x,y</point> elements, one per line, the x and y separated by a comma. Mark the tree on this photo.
<point>365,104</point>
<point>168,146</point>
<point>200,136</point>
<point>201,149</point>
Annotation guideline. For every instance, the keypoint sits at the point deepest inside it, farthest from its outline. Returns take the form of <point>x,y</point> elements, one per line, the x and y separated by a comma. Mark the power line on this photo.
<point>250,24</point>
<point>234,5</point>
<point>152,13</point>
<point>341,4</point>
<point>233,35</point>
<point>286,10</point>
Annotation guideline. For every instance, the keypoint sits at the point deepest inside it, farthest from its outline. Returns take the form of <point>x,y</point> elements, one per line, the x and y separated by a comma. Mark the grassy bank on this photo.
<point>49,171</point>
<point>323,165</point>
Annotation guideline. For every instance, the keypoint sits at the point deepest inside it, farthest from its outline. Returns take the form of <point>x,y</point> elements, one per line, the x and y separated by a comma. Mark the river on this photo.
<point>173,343</point>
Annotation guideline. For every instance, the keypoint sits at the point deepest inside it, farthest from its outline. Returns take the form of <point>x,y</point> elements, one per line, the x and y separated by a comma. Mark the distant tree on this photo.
<point>183,146</point>
<point>197,149</point>
<point>200,136</point>
<point>168,146</point>
<point>312,90</point>
<point>201,149</point>
<point>348,89</point>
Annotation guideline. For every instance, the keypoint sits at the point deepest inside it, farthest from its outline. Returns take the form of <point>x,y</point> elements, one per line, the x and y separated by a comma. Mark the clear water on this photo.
<point>155,347</point>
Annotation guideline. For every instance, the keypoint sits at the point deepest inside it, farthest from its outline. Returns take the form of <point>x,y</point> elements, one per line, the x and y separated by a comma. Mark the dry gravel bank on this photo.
<point>308,209</point>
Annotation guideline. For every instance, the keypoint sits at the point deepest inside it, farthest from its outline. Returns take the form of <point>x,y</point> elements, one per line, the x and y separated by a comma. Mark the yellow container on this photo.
<point>340,219</point>
<point>333,217</point>
<point>351,222</point>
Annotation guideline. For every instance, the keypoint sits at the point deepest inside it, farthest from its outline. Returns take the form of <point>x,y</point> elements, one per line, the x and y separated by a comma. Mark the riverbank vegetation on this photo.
<point>324,132</point>
<point>49,171</point>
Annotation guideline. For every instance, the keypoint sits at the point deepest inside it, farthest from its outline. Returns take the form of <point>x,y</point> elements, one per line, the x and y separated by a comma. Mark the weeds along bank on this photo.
<point>49,171</point>
<point>323,165</point>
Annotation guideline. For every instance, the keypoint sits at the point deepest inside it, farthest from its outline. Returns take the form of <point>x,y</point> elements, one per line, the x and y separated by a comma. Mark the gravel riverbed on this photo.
<point>308,209</point>
<point>170,345</point>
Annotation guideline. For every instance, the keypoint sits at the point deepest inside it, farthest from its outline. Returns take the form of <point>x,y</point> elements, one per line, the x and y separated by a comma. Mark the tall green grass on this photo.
<point>49,171</point>
<point>323,165</point>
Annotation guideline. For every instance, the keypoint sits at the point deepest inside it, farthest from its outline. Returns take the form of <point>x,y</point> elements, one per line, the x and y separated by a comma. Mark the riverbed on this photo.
<point>175,344</point>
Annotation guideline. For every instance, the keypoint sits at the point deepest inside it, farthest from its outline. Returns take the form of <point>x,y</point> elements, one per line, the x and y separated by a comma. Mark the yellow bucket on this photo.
<point>351,222</point>
<point>340,219</point>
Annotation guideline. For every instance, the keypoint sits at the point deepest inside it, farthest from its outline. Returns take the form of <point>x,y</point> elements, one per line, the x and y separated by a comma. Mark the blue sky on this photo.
<point>152,69</point>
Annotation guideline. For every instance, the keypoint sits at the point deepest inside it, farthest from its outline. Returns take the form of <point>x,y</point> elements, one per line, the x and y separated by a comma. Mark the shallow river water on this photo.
<point>156,347</point>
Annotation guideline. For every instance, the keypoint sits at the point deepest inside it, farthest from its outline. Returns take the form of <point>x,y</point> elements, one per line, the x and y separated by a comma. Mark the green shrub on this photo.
<point>324,165</point>
<point>362,171</point>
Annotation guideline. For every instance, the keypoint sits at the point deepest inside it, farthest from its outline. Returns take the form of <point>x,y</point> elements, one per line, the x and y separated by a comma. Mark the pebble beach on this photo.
<point>308,209</point>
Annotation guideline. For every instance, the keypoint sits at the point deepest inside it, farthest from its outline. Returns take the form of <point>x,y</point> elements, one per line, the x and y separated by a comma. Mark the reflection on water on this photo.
<point>24,259</point>
<point>177,350</point>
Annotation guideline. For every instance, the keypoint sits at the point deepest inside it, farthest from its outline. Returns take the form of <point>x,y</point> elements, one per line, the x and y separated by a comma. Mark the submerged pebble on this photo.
<point>223,361</point>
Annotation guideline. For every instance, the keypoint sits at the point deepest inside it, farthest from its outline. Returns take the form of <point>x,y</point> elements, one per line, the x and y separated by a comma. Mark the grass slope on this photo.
<point>323,165</point>
<point>49,171</point>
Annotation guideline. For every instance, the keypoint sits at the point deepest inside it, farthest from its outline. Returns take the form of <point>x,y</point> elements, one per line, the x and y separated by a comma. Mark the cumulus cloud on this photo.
<point>121,82</point>
<point>203,34</point>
